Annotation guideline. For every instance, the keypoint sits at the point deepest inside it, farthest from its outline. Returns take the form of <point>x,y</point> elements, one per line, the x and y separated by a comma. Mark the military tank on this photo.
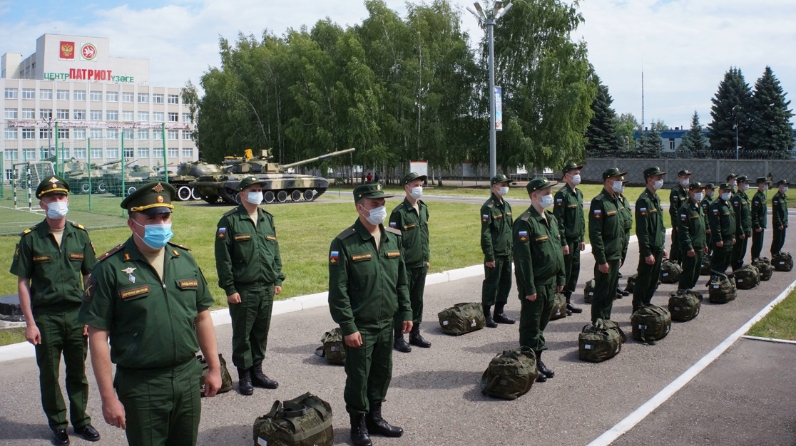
<point>77,174</point>
<point>114,177</point>
<point>188,172</point>
<point>279,187</point>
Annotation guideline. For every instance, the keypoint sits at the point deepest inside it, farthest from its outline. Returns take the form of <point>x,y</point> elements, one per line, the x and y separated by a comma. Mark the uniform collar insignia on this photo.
<point>128,270</point>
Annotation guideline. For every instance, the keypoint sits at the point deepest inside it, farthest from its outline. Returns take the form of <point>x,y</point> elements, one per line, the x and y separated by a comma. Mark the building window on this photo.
<point>62,113</point>
<point>112,153</point>
<point>143,133</point>
<point>186,134</point>
<point>143,152</point>
<point>186,117</point>
<point>63,133</point>
<point>95,115</point>
<point>45,93</point>
<point>129,152</point>
<point>111,134</point>
<point>28,113</point>
<point>80,152</point>
<point>112,96</point>
<point>62,95</point>
<point>187,153</point>
<point>45,133</point>
<point>157,153</point>
<point>143,97</point>
<point>174,99</point>
<point>28,93</point>
<point>79,114</point>
<point>143,116</point>
<point>11,155</point>
<point>28,154</point>
<point>11,93</point>
<point>111,115</point>
<point>174,134</point>
<point>671,143</point>
<point>45,113</point>
<point>10,133</point>
<point>79,95</point>
<point>174,117</point>
<point>63,153</point>
<point>96,96</point>
<point>11,113</point>
<point>127,96</point>
<point>96,153</point>
<point>174,152</point>
<point>128,133</point>
<point>157,116</point>
<point>157,98</point>
<point>127,116</point>
<point>96,134</point>
<point>78,133</point>
<point>28,133</point>
<point>157,134</point>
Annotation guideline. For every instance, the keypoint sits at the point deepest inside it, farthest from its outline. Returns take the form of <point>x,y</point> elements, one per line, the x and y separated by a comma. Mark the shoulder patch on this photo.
<point>179,246</point>
<point>599,197</point>
<point>525,216</point>
<point>28,231</point>
<point>110,253</point>
<point>347,233</point>
<point>393,230</point>
<point>230,212</point>
<point>489,203</point>
<point>78,226</point>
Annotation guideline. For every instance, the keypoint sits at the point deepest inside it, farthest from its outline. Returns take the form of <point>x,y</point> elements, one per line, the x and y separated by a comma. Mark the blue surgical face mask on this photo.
<point>255,198</point>
<point>547,201</point>
<point>57,210</point>
<point>156,235</point>
<point>617,186</point>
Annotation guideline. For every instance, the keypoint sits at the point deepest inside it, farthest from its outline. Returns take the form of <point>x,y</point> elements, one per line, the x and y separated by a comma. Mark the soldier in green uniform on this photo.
<point>150,298</point>
<point>368,288</point>
<point>249,270</point>
<point>677,197</point>
<point>52,261</point>
<point>691,230</point>
<point>411,218</point>
<point>627,225</point>
<point>538,267</point>
<point>651,235</point>
<point>743,222</point>
<point>722,227</point>
<point>606,234</point>
<point>568,211</point>
<point>779,216</point>
<point>759,216</point>
<point>706,201</point>
<point>496,221</point>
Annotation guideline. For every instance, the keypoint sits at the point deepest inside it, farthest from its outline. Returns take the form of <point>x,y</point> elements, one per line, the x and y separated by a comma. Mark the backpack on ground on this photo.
<point>764,266</point>
<point>631,283</point>
<point>670,272</point>
<point>704,269</point>
<point>684,307</point>
<point>226,379</point>
<point>559,308</point>
<point>651,323</point>
<point>600,341</point>
<point>588,291</point>
<point>721,289</point>
<point>746,277</point>
<point>302,421</point>
<point>333,348</point>
<point>782,261</point>
<point>510,374</point>
<point>462,318</point>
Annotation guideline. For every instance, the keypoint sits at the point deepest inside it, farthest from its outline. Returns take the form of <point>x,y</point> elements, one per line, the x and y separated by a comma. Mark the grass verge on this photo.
<point>12,335</point>
<point>779,323</point>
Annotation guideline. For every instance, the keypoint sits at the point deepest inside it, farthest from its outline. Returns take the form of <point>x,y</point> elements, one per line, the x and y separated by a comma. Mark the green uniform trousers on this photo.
<point>738,252</point>
<point>368,369</point>
<point>62,333</point>
<point>778,242</point>
<point>691,269</point>
<point>674,251</point>
<point>625,246</point>
<point>572,266</point>
<point>162,406</point>
<point>251,320</point>
<point>417,285</point>
<point>535,315</point>
<point>647,281</point>
<point>757,243</point>
<point>497,282</point>
<point>605,290</point>
<point>721,257</point>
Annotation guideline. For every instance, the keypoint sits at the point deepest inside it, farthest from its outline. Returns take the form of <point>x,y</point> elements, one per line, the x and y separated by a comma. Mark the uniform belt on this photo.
<point>256,283</point>
<point>59,307</point>
<point>157,371</point>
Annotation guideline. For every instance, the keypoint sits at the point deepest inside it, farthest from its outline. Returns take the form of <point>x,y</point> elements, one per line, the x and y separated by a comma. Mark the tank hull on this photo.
<point>277,188</point>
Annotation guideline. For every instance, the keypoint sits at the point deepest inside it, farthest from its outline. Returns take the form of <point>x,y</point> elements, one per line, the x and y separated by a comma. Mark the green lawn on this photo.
<point>780,323</point>
<point>12,336</point>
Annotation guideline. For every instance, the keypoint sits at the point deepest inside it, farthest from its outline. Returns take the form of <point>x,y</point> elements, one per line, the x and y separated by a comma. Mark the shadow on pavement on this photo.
<point>19,431</point>
<point>444,379</point>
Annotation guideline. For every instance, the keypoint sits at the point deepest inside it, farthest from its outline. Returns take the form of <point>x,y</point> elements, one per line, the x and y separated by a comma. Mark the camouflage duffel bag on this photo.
<point>721,289</point>
<point>763,266</point>
<point>302,421</point>
<point>704,270</point>
<point>510,374</point>
<point>670,271</point>
<point>782,261</point>
<point>333,348</point>
<point>600,341</point>
<point>651,323</point>
<point>226,379</point>
<point>559,309</point>
<point>631,283</point>
<point>588,291</point>
<point>684,307</point>
<point>746,277</point>
<point>462,318</point>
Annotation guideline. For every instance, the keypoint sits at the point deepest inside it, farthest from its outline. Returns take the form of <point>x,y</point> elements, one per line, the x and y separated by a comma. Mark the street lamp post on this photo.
<point>735,126</point>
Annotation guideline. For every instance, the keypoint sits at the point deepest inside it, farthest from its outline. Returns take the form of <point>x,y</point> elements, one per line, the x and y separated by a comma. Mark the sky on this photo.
<point>684,47</point>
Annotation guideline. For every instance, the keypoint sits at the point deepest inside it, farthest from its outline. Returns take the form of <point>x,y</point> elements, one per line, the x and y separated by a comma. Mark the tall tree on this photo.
<point>626,126</point>
<point>771,126</point>
<point>601,133</point>
<point>732,106</point>
<point>650,141</point>
<point>694,140</point>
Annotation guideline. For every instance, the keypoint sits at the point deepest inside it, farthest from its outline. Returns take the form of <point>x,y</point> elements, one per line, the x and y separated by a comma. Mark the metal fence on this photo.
<point>693,154</point>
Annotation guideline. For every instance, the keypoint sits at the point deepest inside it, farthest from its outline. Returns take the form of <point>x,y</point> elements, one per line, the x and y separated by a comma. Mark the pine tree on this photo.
<point>650,141</point>
<point>731,106</point>
<point>601,133</point>
<point>771,127</point>
<point>694,140</point>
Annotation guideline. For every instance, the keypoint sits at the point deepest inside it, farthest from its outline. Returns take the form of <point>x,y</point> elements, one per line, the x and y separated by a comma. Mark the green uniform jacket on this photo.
<point>606,228</point>
<point>649,223</point>
<point>414,232</point>
<point>677,197</point>
<point>759,210</point>
<point>367,286</point>
<point>496,221</point>
<point>150,320</point>
<point>706,202</point>
<point>691,227</point>
<point>743,214</point>
<point>722,221</point>
<point>55,272</point>
<point>246,254</point>
<point>627,213</point>
<point>569,213</point>
<point>537,251</point>
<point>779,210</point>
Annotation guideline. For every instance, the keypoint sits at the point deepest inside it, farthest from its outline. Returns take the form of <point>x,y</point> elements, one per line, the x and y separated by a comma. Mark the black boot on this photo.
<point>568,295</point>
<point>259,379</point>
<point>245,382</point>
<point>377,425</point>
<point>88,433</point>
<point>60,437</point>
<point>573,309</point>
<point>416,339</point>
<point>359,432</point>
<point>541,367</point>
<point>488,316</point>
<point>501,317</point>
<point>400,343</point>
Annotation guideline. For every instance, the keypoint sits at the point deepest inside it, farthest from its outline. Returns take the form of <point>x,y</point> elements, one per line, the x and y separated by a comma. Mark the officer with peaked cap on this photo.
<point>759,216</point>
<point>678,196</point>
<point>691,230</point>
<point>568,210</point>
<point>779,216</point>
<point>496,223</point>
<point>651,235</point>
<point>722,229</point>
<point>743,222</point>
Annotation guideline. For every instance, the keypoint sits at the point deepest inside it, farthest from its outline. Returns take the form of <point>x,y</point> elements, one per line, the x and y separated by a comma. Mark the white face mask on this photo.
<point>57,210</point>
<point>685,182</point>
<point>547,201</point>
<point>765,187</point>
<point>377,216</point>
<point>416,192</point>
<point>617,186</point>
<point>255,198</point>
<point>698,196</point>
<point>576,179</point>
<point>726,196</point>
<point>745,187</point>
<point>784,189</point>
<point>734,184</point>
<point>503,191</point>
<point>710,194</point>
<point>657,185</point>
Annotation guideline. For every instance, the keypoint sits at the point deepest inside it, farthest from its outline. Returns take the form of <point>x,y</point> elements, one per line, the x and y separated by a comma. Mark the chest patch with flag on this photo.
<point>222,232</point>
<point>683,217</point>
<point>560,201</point>
<point>643,211</point>
<point>334,256</point>
<point>485,217</point>
<point>393,224</point>
<point>598,213</point>
<point>523,236</point>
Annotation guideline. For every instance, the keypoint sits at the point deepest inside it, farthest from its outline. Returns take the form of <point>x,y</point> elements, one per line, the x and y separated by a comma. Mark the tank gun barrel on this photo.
<point>317,158</point>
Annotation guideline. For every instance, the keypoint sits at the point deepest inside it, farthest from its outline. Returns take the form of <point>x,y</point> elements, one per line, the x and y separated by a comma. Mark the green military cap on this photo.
<point>499,178</point>
<point>731,176</point>
<point>613,172</point>
<point>781,182</point>
<point>369,191</point>
<point>652,171</point>
<point>684,173</point>
<point>151,198</point>
<point>52,184</point>
<point>411,176</point>
<point>572,166</point>
<point>725,186</point>
<point>743,179</point>
<point>761,180</point>
<point>539,183</point>
<point>248,181</point>
<point>696,185</point>
<point>710,186</point>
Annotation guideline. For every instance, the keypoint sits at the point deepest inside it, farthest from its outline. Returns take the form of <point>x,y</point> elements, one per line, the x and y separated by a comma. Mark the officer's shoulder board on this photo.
<point>267,213</point>
<point>111,252</point>
<point>393,230</point>
<point>76,225</point>
<point>28,231</point>
<point>401,205</point>
<point>230,212</point>
<point>347,233</point>
<point>525,216</point>
<point>489,203</point>
<point>179,246</point>
<point>599,197</point>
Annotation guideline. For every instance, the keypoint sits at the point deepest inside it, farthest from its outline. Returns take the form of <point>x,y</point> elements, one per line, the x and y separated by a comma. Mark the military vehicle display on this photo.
<point>188,172</point>
<point>112,178</point>
<point>77,174</point>
<point>279,186</point>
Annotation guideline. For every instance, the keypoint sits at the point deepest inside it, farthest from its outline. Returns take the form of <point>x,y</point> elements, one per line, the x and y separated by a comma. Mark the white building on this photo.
<point>95,100</point>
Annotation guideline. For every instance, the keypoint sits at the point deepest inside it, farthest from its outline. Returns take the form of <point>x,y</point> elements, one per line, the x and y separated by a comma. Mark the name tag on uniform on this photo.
<point>134,292</point>
<point>610,213</point>
<point>409,227</point>
<point>695,216</point>
<point>652,211</point>
<point>76,255</point>
<point>543,238</point>
<point>361,257</point>
<point>498,216</point>
<point>508,214</point>
<point>241,238</point>
<point>270,237</point>
<point>39,259</point>
<point>188,284</point>
<point>572,205</point>
<point>393,254</point>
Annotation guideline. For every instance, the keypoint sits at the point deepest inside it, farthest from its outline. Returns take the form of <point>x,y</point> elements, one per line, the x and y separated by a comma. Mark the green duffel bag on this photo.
<point>651,323</point>
<point>600,341</point>
<point>302,421</point>
<point>333,348</point>
<point>631,283</point>
<point>721,289</point>
<point>684,307</point>
<point>226,379</point>
<point>764,266</point>
<point>670,272</point>
<point>782,261</point>
<point>559,309</point>
<point>462,318</point>
<point>510,374</point>
<point>746,277</point>
<point>704,270</point>
<point>588,291</point>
